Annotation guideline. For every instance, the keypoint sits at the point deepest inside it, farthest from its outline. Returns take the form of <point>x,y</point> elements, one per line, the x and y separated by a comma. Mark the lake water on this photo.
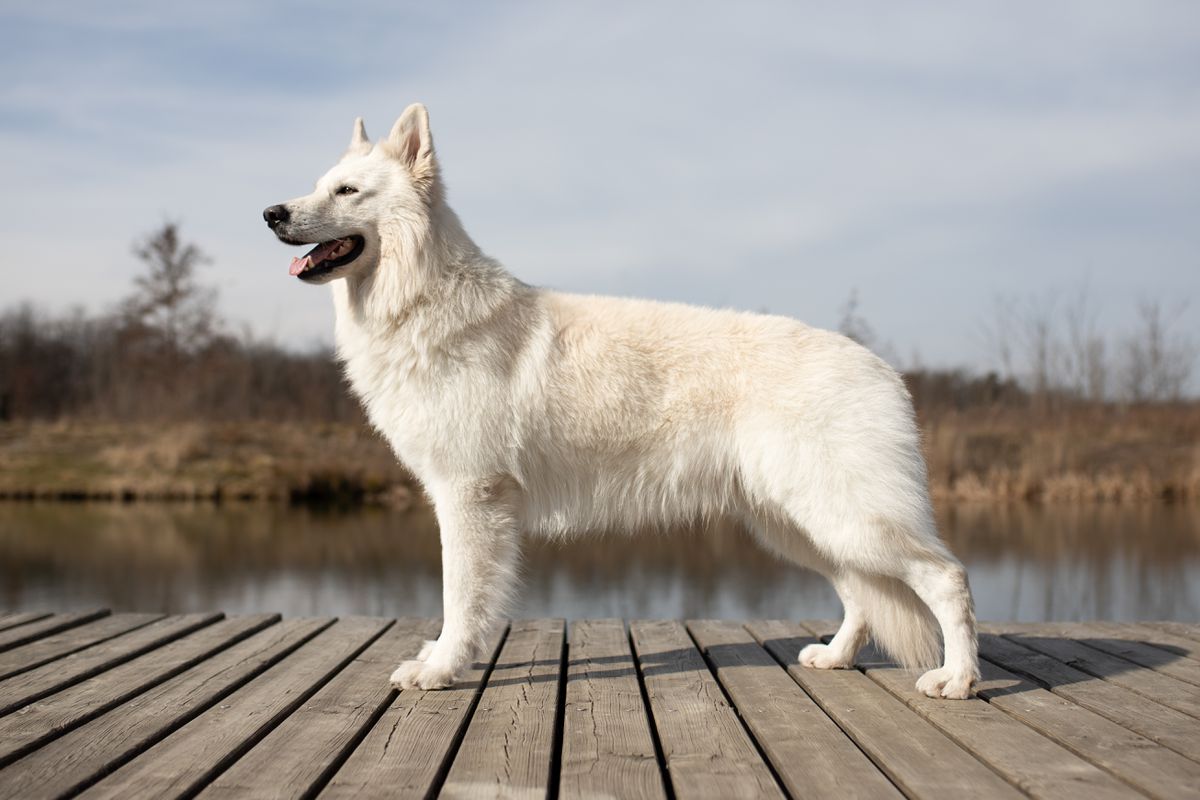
<point>1026,563</point>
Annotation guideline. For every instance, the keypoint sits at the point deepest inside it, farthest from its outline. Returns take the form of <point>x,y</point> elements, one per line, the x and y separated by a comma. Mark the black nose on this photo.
<point>275,215</point>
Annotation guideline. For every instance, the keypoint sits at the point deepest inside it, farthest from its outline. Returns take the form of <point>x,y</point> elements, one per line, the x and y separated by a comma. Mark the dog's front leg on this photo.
<point>479,529</point>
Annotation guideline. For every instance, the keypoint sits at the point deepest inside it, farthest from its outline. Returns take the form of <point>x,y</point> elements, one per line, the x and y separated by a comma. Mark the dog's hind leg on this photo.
<point>479,530</point>
<point>941,583</point>
<point>850,636</point>
<point>909,581</point>
<point>791,542</point>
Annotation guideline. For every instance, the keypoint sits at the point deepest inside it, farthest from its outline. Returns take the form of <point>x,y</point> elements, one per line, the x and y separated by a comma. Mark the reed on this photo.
<point>1077,454</point>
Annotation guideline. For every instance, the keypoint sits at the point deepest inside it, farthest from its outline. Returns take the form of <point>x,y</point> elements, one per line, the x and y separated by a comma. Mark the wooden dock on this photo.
<point>149,705</point>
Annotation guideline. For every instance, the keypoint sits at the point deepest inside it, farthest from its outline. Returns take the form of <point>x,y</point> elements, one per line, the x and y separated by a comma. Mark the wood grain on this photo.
<point>901,743</point>
<point>1118,640</point>
<point>15,637</point>
<point>1155,637</point>
<point>187,705</point>
<point>1134,759</point>
<point>187,760</point>
<point>1055,642</point>
<point>77,759</point>
<point>608,750</point>
<point>1025,757</point>
<point>408,751</point>
<point>34,684</point>
<point>296,758</point>
<point>509,746</point>
<point>1166,726</point>
<point>707,751</point>
<point>72,640</point>
<point>13,619</point>
<point>1185,629</point>
<point>810,753</point>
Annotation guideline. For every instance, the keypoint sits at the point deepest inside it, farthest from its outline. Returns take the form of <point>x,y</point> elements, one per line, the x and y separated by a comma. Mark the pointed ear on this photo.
<point>359,144</point>
<point>411,142</point>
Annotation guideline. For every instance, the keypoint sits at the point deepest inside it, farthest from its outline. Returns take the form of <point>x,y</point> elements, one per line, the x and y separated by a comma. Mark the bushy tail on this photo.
<point>901,625</point>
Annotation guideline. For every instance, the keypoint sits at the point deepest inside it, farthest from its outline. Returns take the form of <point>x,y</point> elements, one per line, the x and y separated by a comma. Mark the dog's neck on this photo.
<point>432,282</point>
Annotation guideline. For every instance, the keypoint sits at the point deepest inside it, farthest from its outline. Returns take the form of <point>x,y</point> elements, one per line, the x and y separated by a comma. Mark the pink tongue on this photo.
<point>313,257</point>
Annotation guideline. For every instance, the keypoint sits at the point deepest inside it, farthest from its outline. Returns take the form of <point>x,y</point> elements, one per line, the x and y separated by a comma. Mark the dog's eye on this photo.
<point>346,190</point>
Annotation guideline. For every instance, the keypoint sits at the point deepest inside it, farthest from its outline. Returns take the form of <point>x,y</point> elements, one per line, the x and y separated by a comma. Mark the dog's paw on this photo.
<point>821,656</point>
<point>422,675</point>
<point>946,682</point>
<point>426,649</point>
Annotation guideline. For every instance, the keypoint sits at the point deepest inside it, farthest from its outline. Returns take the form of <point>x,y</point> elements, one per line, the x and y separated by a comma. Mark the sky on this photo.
<point>930,157</point>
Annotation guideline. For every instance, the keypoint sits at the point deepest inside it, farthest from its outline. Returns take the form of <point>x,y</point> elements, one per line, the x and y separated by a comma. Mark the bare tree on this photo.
<point>1039,339</point>
<point>1055,349</point>
<point>998,332</point>
<point>1157,361</point>
<point>853,324</point>
<point>168,298</point>
<point>1085,353</point>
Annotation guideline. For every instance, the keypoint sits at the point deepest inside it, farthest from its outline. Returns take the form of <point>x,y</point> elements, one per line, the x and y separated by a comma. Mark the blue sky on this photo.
<point>932,156</point>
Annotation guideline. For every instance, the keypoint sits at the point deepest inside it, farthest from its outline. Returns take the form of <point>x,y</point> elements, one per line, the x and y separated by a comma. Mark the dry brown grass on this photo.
<point>200,461</point>
<point>1085,454</point>
<point>1082,454</point>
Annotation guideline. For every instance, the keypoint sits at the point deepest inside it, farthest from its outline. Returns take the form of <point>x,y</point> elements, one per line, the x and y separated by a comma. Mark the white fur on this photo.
<point>522,409</point>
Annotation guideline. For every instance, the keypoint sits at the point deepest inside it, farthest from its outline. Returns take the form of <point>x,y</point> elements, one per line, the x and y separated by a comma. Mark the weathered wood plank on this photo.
<point>165,709</point>
<point>508,748</point>
<point>48,718</point>
<point>607,747</point>
<point>707,751</point>
<point>82,756</point>
<point>1185,629</point>
<point>72,640</point>
<point>15,637</point>
<point>920,759</point>
<point>407,753</point>
<point>1155,637</point>
<point>810,753</point>
<point>1118,641</point>
<point>1168,727</point>
<point>1150,684</point>
<point>1138,761</point>
<point>1023,756</point>
<point>188,759</point>
<point>13,619</point>
<point>35,684</point>
<point>297,757</point>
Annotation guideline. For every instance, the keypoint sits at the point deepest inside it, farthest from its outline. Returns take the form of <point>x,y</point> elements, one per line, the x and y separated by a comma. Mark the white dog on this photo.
<point>524,409</point>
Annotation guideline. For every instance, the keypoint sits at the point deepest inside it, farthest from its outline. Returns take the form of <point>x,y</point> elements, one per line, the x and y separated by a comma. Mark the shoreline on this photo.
<point>1114,457</point>
<point>215,463</point>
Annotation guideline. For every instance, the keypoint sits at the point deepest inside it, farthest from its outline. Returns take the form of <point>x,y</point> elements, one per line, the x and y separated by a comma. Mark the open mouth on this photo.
<point>326,257</point>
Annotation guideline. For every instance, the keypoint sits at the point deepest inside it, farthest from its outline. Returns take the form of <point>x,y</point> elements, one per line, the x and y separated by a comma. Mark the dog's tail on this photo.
<point>900,623</point>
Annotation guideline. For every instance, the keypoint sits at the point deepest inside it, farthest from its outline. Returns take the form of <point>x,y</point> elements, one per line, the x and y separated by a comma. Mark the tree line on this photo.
<point>1049,353</point>
<point>164,353</point>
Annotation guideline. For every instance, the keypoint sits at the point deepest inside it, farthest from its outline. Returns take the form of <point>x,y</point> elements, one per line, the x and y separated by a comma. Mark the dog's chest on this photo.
<point>436,415</point>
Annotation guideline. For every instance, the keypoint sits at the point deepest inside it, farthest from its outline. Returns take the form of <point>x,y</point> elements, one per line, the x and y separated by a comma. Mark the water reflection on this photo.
<point>1026,563</point>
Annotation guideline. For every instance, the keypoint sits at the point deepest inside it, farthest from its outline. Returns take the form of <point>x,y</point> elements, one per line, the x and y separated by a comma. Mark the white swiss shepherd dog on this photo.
<point>522,409</point>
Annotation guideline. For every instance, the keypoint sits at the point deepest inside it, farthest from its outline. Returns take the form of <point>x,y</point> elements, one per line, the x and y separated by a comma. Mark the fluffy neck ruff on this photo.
<point>432,281</point>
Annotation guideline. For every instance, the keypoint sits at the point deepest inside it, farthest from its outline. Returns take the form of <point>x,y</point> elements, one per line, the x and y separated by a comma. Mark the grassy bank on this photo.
<point>249,461</point>
<point>1080,454</point>
<point>1100,453</point>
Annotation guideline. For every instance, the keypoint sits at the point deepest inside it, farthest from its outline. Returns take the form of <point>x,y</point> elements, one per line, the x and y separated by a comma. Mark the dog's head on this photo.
<point>372,192</point>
